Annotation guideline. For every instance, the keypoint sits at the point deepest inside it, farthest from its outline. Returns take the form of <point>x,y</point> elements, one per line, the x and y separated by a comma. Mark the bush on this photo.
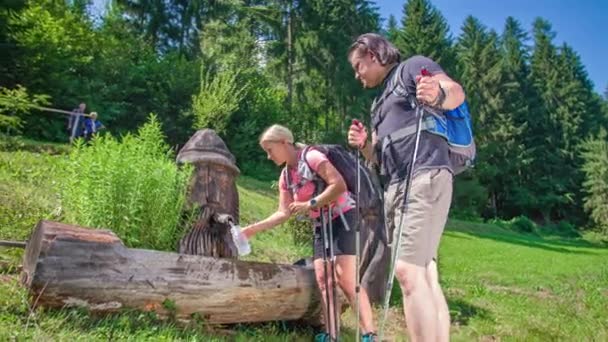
<point>301,230</point>
<point>522,224</point>
<point>132,187</point>
<point>562,228</point>
<point>469,198</point>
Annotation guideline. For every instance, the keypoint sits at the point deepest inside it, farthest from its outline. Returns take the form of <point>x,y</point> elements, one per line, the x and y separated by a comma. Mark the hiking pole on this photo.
<point>332,259</point>
<point>357,239</point>
<point>406,196</point>
<point>325,249</point>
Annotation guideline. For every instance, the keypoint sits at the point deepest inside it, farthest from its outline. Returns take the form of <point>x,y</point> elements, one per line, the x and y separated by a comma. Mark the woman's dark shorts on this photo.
<point>343,239</point>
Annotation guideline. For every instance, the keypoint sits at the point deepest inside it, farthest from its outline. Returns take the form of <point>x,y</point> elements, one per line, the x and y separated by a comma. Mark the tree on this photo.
<point>517,95</point>
<point>392,30</point>
<point>56,57</point>
<point>14,104</point>
<point>565,115</point>
<point>424,31</point>
<point>496,133</point>
<point>595,168</point>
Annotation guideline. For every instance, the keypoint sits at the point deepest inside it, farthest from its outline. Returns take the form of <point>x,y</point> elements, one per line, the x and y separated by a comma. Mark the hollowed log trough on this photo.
<point>67,266</point>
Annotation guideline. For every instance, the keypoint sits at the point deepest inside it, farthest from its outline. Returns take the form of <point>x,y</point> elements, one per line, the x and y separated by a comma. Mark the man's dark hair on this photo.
<point>385,52</point>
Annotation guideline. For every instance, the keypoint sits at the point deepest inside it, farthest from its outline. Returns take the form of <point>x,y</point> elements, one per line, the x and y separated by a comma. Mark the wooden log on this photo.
<point>66,265</point>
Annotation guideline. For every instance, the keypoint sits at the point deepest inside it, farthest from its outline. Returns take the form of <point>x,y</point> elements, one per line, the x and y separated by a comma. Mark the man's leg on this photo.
<point>414,253</point>
<point>418,304</point>
<point>441,185</point>
<point>441,306</point>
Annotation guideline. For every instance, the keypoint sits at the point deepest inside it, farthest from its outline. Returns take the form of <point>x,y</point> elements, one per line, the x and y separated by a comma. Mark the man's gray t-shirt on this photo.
<point>393,112</point>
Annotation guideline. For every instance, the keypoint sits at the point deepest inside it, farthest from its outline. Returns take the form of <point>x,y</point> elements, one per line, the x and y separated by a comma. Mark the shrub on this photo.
<point>132,187</point>
<point>301,230</point>
<point>562,228</point>
<point>522,224</point>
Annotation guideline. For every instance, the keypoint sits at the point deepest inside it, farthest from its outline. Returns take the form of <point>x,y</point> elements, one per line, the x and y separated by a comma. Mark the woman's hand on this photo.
<point>248,231</point>
<point>299,207</point>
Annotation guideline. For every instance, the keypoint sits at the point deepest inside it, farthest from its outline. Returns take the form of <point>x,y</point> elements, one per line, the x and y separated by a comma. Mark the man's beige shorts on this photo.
<point>425,217</point>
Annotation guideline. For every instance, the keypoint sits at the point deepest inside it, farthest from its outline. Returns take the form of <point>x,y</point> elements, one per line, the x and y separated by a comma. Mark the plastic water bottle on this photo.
<point>240,241</point>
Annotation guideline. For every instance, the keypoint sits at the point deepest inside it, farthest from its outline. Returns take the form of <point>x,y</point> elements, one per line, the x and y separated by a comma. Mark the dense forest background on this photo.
<point>239,66</point>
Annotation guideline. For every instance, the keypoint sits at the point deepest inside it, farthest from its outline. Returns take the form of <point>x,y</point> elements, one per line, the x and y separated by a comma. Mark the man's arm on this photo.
<point>439,91</point>
<point>454,94</point>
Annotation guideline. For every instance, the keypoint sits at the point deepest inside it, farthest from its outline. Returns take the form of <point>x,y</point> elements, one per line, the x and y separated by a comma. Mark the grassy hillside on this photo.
<point>500,284</point>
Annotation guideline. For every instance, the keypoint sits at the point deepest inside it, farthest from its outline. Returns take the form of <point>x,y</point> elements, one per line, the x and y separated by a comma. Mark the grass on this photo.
<point>500,284</point>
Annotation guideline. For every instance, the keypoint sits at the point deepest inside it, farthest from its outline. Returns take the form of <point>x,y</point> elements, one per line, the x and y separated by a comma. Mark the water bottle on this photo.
<point>240,240</point>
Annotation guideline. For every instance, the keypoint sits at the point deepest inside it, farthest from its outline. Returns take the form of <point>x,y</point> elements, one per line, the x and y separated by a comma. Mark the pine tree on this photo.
<point>325,91</point>
<point>558,126</point>
<point>424,31</point>
<point>496,134</point>
<point>517,94</point>
<point>392,30</point>
<point>595,167</point>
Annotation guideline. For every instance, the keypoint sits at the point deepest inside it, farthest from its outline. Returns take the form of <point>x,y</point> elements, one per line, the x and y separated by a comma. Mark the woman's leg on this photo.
<point>345,269</point>
<point>325,287</point>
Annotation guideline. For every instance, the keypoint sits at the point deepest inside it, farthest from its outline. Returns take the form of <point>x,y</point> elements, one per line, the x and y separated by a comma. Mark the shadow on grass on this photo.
<point>129,323</point>
<point>487,231</point>
<point>461,312</point>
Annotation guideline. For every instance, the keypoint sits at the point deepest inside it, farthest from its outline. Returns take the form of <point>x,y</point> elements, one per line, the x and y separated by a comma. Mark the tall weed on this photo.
<point>132,187</point>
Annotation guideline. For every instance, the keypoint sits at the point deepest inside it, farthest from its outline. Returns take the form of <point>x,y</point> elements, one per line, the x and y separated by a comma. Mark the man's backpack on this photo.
<point>374,252</point>
<point>454,125</point>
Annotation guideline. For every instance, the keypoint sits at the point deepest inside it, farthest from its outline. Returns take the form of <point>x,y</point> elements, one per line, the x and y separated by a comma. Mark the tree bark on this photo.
<point>66,265</point>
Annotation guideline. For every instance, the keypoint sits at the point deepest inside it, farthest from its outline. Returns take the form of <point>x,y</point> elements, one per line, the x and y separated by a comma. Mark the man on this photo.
<point>375,62</point>
<point>75,122</point>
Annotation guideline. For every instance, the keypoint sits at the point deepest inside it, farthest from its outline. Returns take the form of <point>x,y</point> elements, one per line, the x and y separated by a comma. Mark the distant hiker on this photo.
<point>298,194</point>
<point>92,126</point>
<point>394,139</point>
<point>75,122</point>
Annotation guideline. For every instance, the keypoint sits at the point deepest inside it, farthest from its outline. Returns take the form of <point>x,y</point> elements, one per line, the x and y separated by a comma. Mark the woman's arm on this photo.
<point>335,183</point>
<point>278,217</point>
<point>335,187</point>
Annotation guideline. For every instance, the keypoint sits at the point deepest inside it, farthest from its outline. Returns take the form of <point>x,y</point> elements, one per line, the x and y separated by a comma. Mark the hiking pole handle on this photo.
<point>425,72</point>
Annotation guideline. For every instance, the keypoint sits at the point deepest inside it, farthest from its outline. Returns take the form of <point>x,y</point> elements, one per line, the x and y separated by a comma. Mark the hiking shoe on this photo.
<point>322,337</point>
<point>369,337</point>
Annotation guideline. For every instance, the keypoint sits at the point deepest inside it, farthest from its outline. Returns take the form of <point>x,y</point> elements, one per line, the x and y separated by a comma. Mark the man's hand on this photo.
<point>357,135</point>
<point>427,90</point>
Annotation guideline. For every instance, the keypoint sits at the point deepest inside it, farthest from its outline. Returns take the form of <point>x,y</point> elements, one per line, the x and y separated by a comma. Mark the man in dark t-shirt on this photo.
<point>416,227</point>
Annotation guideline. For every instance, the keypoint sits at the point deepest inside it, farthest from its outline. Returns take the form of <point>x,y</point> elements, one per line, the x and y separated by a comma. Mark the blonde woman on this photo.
<point>297,195</point>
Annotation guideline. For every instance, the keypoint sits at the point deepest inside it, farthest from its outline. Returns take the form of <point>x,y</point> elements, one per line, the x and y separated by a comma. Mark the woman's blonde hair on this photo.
<point>278,133</point>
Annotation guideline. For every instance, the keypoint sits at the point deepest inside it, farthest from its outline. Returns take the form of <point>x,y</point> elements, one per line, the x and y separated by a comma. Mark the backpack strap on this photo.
<point>316,179</point>
<point>428,123</point>
<point>293,187</point>
<point>395,85</point>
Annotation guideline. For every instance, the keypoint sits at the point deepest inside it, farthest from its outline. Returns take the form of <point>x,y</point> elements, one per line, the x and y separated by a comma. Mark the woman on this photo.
<point>296,197</point>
